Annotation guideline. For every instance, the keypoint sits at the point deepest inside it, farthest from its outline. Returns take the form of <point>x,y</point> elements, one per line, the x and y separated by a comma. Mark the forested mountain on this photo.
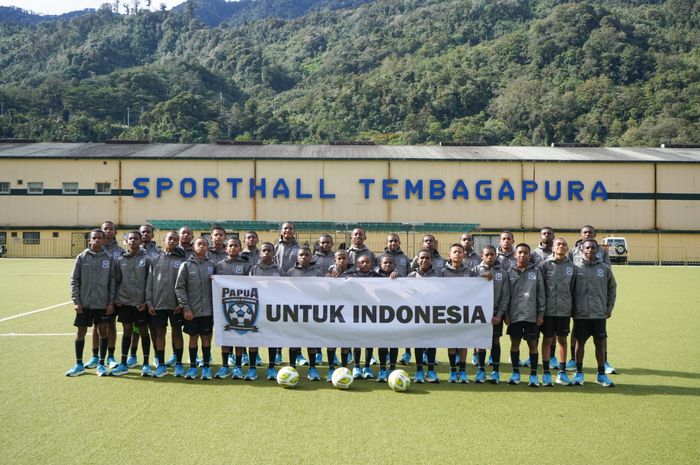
<point>393,71</point>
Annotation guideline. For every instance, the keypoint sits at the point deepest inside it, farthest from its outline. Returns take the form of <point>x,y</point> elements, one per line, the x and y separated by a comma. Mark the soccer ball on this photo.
<point>342,378</point>
<point>288,377</point>
<point>399,381</point>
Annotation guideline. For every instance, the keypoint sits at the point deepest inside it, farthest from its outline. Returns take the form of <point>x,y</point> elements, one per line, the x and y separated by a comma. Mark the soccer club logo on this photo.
<point>241,313</point>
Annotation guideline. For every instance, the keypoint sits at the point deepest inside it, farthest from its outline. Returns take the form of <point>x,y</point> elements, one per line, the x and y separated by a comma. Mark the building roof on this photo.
<point>57,150</point>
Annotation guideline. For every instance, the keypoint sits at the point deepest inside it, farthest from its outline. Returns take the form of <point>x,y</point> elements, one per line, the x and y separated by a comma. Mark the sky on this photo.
<point>58,7</point>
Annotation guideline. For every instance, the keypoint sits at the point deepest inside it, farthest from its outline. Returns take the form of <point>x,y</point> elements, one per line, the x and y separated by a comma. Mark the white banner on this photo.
<point>335,312</point>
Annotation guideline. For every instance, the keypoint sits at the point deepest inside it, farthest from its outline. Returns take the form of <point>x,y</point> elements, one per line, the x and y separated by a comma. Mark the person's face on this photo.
<point>560,248</point>
<point>358,237</point>
<point>467,241</point>
<point>429,242</point>
<point>364,264</point>
<point>217,237</point>
<point>251,240</point>
<point>287,231</point>
<point>303,258</point>
<point>589,251</point>
<point>170,242</point>
<point>506,242</point>
<point>546,236</point>
<point>456,255</point>
<point>341,260</point>
<point>424,261</point>
<point>587,233</point>
<point>325,244</point>
<point>488,256</point>
<point>95,241</point>
<point>186,236</point>
<point>146,234</point>
<point>266,254</point>
<point>133,241</point>
<point>393,242</point>
<point>233,248</point>
<point>200,248</point>
<point>387,264</point>
<point>522,257</point>
<point>110,231</point>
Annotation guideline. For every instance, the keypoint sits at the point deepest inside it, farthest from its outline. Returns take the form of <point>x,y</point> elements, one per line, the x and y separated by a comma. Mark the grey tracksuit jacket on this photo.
<point>527,294</point>
<point>576,255</point>
<point>152,250</point>
<point>160,287</point>
<point>501,287</point>
<point>311,271</point>
<point>471,259</point>
<point>417,273</point>
<point>265,270</point>
<point>559,282</point>
<point>540,254</point>
<point>595,290</point>
<point>450,272</point>
<point>506,260</point>
<point>354,253</point>
<point>401,261</point>
<point>92,283</point>
<point>286,254</point>
<point>193,286</point>
<point>323,260</point>
<point>113,249</point>
<point>235,267</point>
<point>437,261</point>
<point>132,276</point>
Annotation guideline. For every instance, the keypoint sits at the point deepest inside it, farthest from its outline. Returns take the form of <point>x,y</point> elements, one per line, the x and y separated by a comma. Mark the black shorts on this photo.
<point>583,329</point>
<point>129,314</point>
<point>160,319</point>
<point>498,329</point>
<point>176,319</point>
<point>199,326</point>
<point>524,330</point>
<point>555,326</point>
<point>90,316</point>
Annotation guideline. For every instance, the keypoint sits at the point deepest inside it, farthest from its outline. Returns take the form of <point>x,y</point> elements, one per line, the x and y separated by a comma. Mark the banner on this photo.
<point>335,312</point>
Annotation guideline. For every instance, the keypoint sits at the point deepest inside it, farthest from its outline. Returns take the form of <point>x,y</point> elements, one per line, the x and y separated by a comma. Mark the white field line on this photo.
<point>34,311</point>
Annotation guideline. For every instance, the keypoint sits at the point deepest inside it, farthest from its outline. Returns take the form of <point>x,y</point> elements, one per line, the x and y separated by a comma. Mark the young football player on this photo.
<point>559,281</point>
<point>340,264</point>
<point>471,258</point>
<point>491,269</point>
<point>339,267</point>
<point>505,252</point>
<point>162,303</point>
<point>217,250</point>
<point>251,250</point>
<point>594,299</point>
<point>266,267</point>
<point>455,268</point>
<point>304,268</point>
<point>185,234</point>
<point>429,243</point>
<point>358,247</point>
<point>525,312</point>
<point>147,243</point>
<point>386,269</point>
<point>235,265</point>
<point>193,290</point>
<point>393,249</point>
<point>286,248</point>
<point>131,278</point>
<point>362,269</point>
<point>544,249</point>
<point>425,270</point>
<point>92,287</point>
<point>324,257</point>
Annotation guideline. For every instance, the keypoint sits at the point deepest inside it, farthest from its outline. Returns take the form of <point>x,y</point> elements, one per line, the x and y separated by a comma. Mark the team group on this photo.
<point>147,288</point>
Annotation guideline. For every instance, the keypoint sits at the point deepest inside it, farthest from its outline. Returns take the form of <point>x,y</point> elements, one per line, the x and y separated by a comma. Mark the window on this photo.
<point>35,188</point>
<point>70,187</point>
<point>30,237</point>
<point>103,188</point>
<point>54,234</point>
<point>4,187</point>
<point>3,238</point>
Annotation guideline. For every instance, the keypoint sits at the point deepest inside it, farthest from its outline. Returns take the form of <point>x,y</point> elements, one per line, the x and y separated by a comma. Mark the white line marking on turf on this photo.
<point>34,311</point>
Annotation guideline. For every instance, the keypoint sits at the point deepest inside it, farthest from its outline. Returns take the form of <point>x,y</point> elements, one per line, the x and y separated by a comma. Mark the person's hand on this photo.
<point>189,316</point>
<point>78,308</point>
<point>151,310</point>
<point>496,320</point>
<point>540,320</point>
<point>110,309</point>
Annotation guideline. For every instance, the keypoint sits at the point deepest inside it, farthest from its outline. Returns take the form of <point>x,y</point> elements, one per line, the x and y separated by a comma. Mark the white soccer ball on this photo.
<point>288,377</point>
<point>243,314</point>
<point>342,378</point>
<point>399,381</point>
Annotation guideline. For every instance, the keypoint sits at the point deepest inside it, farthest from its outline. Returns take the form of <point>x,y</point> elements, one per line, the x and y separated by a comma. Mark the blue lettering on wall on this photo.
<point>234,186</point>
<point>506,190</point>
<point>300,194</point>
<point>258,188</point>
<point>575,189</point>
<point>599,191</point>
<point>281,189</point>
<point>483,189</point>
<point>366,183</point>
<point>547,192</point>
<point>529,186</point>
<point>414,189</point>
<point>188,188</point>
<point>141,187</point>
<point>437,189</point>
<point>209,187</point>
<point>387,187</point>
<point>460,190</point>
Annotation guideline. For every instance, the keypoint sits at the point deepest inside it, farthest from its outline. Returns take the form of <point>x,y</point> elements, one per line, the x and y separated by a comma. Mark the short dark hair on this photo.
<point>522,244</point>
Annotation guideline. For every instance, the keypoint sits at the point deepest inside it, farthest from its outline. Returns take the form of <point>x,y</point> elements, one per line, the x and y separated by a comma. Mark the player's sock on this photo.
<point>606,356</point>
<point>103,350</point>
<point>133,350</point>
<point>126,344</point>
<point>178,355</point>
<point>419,358</point>
<point>481,357</point>
<point>356,354</point>
<point>110,350</point>
<point>271,354</point>
<point>79,347</point>
<point>312,357</point>
<point>145,345</point>
<point>293,352</point>
<point>452,357</point>
<point>562,366</point>
<point>368,356</point>
<point>601,369</point>
<point>238,360</point>
<point>579,367</point>
<point>224,357</point>
<point>193,357</point>
<point>393,357</point>
<point>95,351</point>
<point>515,360</point>
<point>462,365</point>
<point>534,360</point>
<point>330,354</point>
<point>344,358</point>
<point>161,356</point>
<point>206,356</point>
<point>496,356</point>
<point>383,352</point>
<point>545,365</point>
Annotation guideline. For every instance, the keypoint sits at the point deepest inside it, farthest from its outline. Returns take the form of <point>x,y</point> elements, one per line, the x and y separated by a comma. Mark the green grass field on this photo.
<point>651,416</point>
